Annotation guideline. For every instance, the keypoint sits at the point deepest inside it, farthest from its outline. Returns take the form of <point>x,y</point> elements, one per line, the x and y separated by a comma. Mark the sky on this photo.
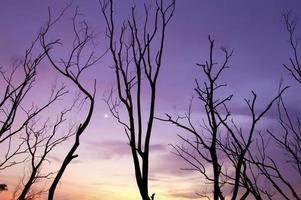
<point>253,29</point>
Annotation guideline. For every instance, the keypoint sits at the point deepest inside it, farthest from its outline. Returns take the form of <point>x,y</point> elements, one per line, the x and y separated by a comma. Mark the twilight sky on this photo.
<point>252,28</point>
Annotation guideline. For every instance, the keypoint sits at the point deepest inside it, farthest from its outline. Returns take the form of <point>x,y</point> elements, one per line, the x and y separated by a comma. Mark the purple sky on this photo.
<point>254,29</point>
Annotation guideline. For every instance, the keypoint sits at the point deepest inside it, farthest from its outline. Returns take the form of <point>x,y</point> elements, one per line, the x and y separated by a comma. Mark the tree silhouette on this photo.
<point>40,142</point>
<point>14,116</point>
<point>136,73</point>
<point>72,68</point>
<point>287,137</point>
<point>294,66</point>
<point>220,144</point>
<point>292,146</point>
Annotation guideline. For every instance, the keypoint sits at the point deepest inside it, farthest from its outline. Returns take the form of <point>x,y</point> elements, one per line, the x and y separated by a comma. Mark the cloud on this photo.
<point>183,194</point>
<point>169,164</point>
<point>60,160</point>
<point>55,158</point>
<point>111,149</point>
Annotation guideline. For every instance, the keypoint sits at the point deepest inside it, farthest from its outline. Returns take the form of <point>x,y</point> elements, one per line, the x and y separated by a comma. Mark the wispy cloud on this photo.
<point>58,159</point>
<point>183,194</point>
<point>111,149</point>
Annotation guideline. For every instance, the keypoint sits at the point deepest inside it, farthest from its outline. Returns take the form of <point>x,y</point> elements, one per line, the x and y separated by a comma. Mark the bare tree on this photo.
<point>40,142</point>
<point>15,115</point>
<point>287,137</point>
<point>72,68</point>
<point>12,96</point>
<point>294,66</point>
<point>291,127</point>
<point>137,63</point>
<point>220,144</point>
